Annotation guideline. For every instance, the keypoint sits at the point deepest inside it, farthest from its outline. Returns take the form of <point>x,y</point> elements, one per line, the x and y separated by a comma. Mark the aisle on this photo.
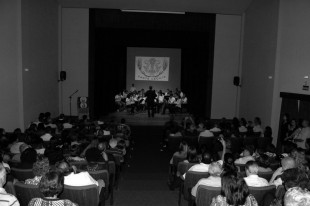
<point>145,181</point>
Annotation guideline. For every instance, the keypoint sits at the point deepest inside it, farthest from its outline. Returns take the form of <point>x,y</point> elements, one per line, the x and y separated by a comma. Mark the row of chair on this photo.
<point>204,193</point>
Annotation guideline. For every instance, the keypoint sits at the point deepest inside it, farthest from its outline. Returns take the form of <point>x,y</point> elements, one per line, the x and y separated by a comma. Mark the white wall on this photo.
<point>259,60</point>
<point>293,62</point>
<point>226,65</point>
<point>11,115</point>
<point>40,57</point>
<point>74,55</point>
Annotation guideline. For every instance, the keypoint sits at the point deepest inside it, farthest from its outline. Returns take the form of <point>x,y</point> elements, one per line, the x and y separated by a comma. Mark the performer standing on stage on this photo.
<point>150,101</point>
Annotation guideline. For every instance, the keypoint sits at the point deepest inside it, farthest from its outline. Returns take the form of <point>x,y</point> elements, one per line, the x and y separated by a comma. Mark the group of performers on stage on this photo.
<point>157,101</point>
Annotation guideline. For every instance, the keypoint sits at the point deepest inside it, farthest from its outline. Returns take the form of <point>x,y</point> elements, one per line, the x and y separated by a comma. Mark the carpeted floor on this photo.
<point>144,179</point>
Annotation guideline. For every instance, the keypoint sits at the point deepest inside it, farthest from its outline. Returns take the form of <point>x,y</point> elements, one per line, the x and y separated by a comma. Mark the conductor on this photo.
<point>150,101</point>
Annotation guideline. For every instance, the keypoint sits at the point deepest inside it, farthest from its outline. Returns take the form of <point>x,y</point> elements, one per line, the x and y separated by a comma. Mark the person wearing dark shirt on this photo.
<point>150,97</point>
<point>28,157</point>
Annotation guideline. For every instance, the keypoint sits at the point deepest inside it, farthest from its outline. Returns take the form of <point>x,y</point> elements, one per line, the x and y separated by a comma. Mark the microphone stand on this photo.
<point>70,100</point>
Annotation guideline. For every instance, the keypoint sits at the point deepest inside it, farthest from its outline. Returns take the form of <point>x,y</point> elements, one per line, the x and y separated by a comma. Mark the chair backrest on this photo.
<point>250,140</point>
<point>241,167</point>
<point>191,180</point>
<point>191,140</point>
<point>205,194</point>
<point>176,160</point>
<point>183,167</point>
<point>24,193</point>
<point>174,142</point>
<point>82,195</point>
<point>266,175</point>
<point>100,175</point>
<point>22,174</point>
<point>260,192</point>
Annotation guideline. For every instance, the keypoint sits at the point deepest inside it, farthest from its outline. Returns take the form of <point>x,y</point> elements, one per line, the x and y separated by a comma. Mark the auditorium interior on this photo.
<point>230,93</point>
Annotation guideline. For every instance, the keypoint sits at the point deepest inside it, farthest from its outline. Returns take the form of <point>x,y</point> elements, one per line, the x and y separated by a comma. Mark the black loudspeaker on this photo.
<point>237,81</point>
<point>63,75</point>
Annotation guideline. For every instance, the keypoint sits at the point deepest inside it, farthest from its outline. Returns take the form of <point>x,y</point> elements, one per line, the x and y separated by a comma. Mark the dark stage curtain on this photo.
<point>112,31</point>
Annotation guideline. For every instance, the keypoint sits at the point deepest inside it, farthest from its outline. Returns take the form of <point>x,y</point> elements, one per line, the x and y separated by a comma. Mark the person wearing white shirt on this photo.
<point>78,179</point>
<point>215,170</point>
<point>47,136</point>
<point>252,179</point>
<point>6,198</point>
<point>205,133</point>
<point>286,163</point>
<point>246,156</point>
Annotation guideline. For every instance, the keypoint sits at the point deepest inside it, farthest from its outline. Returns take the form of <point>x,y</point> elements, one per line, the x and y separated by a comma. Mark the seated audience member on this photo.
<point>229,163</point>
<point>5,198</point>
<point>93,144</point>
<point>300,159</point>
<point>40,168</point>
<point>215,128</point>
<point>203,166</point>
<point>300,136</point>
<point>215,170</point>
<point>78,179</point>
<point>14,147</point>
<point>113,149</point>
<point>263,163</point>
<point>252,179</point>
<point>54,152</point>
<point>22,148</point>
<point>246,156</point>
<point>297,197</point>
<point>206,132</point>
<point>234,191</point>
<point>258,126</point>
<point>292,178</point>
<point>242,126</point>
<point>192,155</point>
<point>181,153</point>
<point>93,158</point>
<point>2,158</point>
<point>27,158</point>
<point>102,146</point>
<point>51,185</point>
<point>286,163</point>
<point>47,134</point>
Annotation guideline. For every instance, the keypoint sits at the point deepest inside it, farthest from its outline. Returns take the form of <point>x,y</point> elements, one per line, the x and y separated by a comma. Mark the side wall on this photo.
<point>40,57</point>
<point>11,115</point>
<point>74,55</point>
<point>225,98</point>
<point>259,59</point>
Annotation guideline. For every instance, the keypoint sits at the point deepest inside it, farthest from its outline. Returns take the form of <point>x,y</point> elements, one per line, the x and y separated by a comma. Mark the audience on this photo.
<point>215,170</point>
<point>252,179</point>
<point>51,185</point>
<point>286,163</point>
<point>40,168</point>
<point>5,198</point>
<point>246,156</point>
<point>234,191</point>
<point>28,157</point>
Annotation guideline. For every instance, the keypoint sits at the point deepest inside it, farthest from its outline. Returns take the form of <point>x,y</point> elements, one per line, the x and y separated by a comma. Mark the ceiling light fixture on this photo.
<point>152,11</point>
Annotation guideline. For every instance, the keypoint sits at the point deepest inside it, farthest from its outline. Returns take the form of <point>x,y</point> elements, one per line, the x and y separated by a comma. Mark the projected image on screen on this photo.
<point>152,68</point>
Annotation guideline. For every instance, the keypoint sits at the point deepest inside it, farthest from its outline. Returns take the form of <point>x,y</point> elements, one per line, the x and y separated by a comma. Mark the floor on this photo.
<point>144,179</point>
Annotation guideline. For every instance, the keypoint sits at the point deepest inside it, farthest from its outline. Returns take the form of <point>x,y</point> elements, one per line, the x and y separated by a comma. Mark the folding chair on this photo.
<point>260,192</point>
<point>24,193</point>
<point>266,175</point>
<point>22,174</point>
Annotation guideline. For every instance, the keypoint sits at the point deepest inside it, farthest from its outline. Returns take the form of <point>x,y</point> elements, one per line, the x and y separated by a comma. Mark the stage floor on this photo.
<point>141,118</point>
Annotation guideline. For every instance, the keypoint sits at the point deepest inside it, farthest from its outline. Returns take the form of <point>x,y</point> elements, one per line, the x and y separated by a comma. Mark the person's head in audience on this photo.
<point>192,155</point>
<point>215,169</point>
<point>251,168</point>
<point>270,148</point>
<point>93,155</point>
<point>112,143</point>
<point>17,131</point>
<point>263,161</point>
<point>248,151</point>
<point>41,127</point>
<point>48,130</point>
<point>29,156</point>
<point>297,197</point>
<point>23,147</point>
<point>40,167</point>
<point>257,121</point>
<point>268,132</point>
<point>300,159</point>
<point>295,177</point>
<point>51,184</point>
<point>102,146</point>
<point>243,122</point>
<point>206,158</point>
<point>183,147</point>
<point>229,163</point>
<point>64,168</point>
<point>234,189</point>
<point>288,163</point>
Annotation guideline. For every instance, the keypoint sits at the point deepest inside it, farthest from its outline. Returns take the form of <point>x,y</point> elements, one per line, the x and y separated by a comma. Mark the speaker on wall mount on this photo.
<point>237,81</point>
<point>63,75</point>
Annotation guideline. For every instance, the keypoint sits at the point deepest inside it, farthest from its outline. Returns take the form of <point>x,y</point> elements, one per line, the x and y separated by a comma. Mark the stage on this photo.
<point>141,118</point>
